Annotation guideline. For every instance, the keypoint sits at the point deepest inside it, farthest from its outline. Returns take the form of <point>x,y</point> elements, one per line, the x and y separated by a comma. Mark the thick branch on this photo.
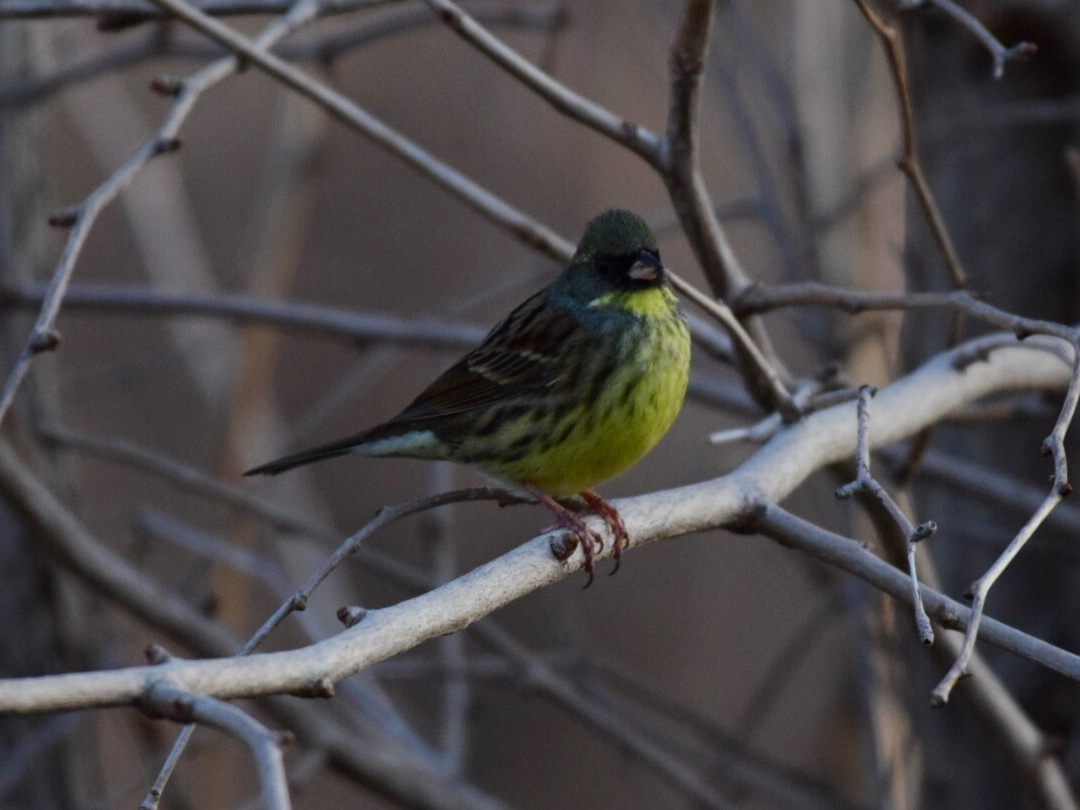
<point>902,409</point>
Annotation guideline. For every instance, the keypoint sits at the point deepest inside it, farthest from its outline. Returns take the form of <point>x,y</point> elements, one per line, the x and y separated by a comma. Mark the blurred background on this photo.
<point>766,679</point>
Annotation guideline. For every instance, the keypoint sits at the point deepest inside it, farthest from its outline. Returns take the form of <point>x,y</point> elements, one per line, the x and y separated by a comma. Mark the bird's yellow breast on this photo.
<point>636,403</point>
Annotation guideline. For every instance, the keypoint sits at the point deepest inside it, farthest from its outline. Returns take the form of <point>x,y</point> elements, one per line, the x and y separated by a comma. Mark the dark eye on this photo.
<point>615,265</point>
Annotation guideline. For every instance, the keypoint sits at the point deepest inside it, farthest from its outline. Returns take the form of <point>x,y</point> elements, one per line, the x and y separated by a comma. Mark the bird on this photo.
<point>574,387</point>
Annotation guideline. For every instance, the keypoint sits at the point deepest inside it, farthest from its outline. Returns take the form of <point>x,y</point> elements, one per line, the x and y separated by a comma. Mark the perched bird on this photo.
<point>571,389</point>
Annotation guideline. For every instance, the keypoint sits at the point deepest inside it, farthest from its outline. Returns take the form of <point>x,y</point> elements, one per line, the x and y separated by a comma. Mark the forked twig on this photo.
<point>167,701</point>
<point>674,157</point>
<point>1053,445</point>
<point>893,41</point>
<point>866,483</point>
<point>979,591</point>
<point>81,218</point>
<point>998,52</point>
<point>299,599</point>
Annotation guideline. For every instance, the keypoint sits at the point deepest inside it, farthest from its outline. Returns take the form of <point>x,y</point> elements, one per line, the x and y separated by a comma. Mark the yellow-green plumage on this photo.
<point>639,400</point>
<point>571,389</point>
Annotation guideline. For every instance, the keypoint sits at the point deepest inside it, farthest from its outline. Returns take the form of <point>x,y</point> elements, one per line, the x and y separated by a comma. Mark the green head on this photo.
<point>615,232</point>
<point>617,252</point>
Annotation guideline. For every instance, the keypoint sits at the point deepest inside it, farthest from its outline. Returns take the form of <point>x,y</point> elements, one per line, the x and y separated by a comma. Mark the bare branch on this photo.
<point>998,52</point>
<point>318,319</point>
<point>979,591</point>
<point>353,116</point>
<point>164,41</point>
<point>633,136</point>
<point>682,174</point>
<point>845,553</point>
<point>135,11</point>
<point>781,465</point>
<point>893,41</point>
<point>758,298</point>
<point>675,158</point>
<point>82,217</point>
<point>163,700</point>
<point>200,483</point>
<point>867,484</point>
<point>765,375</point>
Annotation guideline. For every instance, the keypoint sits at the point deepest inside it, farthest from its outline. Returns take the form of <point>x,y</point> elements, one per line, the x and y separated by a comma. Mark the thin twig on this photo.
<point>758,298</point>
<point>866,483</point>
<point>681,173</point>
<point>135,11</point>
<point>974,480</point>
<point>396,772</point>
<point>164,700</point>
<point>765,373</point>
<point>634,137</point>
<point>541,676</point>
<point>43,335</point>
<point>998,52</point>
<point>768,427</point>
<point>980,589</point>
<point>317,319</point>
<point>1054,445</point>
<point>353,116</point>
<point>680,152</point>
<point>163,41</point>
<point>893,41</point>
<point>165,772</point>
<point>845,553</point>
<point>324,687</point>
<point>195,481</point>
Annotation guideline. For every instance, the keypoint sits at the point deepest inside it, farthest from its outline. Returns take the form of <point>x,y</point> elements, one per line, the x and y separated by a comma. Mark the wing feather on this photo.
<point>522,355</point>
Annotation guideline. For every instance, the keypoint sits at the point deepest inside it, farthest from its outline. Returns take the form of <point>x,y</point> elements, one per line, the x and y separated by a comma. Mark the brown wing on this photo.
<point>520,355</point>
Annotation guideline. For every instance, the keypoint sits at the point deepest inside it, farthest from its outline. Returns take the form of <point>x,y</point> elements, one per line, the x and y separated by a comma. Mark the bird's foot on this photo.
<point>610,515</point>
<point>579,532</point>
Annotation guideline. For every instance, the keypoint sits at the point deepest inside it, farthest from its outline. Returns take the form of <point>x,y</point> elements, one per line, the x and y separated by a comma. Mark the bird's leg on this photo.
<point>565,519</point>
<point>598,506</point>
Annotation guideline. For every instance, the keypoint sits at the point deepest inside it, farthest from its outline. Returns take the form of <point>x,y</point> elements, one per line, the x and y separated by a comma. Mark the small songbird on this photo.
<point>574,387</point>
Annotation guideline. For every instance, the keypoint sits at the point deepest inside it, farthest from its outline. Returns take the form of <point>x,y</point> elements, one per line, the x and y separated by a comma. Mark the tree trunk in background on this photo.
<point>1002,181</point>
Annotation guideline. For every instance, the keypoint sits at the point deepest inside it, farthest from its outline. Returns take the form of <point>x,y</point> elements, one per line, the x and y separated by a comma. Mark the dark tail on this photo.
<point>339,448</point>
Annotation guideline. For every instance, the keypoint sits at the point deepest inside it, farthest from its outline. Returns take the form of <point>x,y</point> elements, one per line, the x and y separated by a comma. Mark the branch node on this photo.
<point>748,521</point>
<point>45,341</point>
<point>163,146</point>
<point>848,489</point>
<point>65,217</point>
<point>923,531</point>
<point>350,616</point>
<point>563,545</point>
<point>157,654</point>
<point>452,18</point>
<point>319,688</point>
<point>120,21</point>
<point>170,86</point>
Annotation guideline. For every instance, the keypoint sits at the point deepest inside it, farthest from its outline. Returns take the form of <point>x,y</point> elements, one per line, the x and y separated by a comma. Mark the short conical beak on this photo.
<point>647,267</point>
